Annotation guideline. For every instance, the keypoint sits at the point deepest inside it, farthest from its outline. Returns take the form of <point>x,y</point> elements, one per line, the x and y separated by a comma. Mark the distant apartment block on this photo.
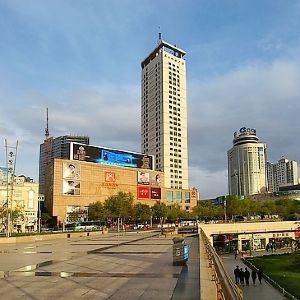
<point>283,173</point>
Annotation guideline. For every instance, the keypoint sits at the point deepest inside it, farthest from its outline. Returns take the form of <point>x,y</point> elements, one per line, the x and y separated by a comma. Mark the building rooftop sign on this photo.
<point>108,156</point>
<point>245,130</point>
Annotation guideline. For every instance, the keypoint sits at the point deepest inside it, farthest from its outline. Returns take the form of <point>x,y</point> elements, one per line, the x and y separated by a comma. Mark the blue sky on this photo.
<point>82,60</point>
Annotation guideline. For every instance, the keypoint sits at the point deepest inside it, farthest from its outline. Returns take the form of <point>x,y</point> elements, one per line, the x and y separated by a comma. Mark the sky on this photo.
<point>81,59</point>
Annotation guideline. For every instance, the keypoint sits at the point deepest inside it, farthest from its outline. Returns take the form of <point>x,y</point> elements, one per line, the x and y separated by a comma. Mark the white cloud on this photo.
<point>261,96</point>
<point>110,115</point>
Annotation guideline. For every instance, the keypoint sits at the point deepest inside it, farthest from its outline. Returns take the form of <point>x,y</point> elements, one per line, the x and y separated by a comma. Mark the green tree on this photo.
<point>3,212</point>
<point>287,208</point>
<point>206,210</point>
<point>234,206</point>
<point>173,213</point>
<point>45,218</point>
<point>267,207</point>
<point>186,215</point>
<point>17,215</point>
<point>160,211</point>
<point>119,206</point>
<point>97,211</point>
<point>142,212</point>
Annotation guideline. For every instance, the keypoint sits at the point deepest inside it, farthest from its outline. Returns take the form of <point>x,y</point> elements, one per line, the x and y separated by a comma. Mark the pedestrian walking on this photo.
<point>242,277</point>
<point>237,274</point>
<point>267,247</point>
<point>247,276</point>
<point>253,275</point>
<point>260,274</point>
<point>236,252</point>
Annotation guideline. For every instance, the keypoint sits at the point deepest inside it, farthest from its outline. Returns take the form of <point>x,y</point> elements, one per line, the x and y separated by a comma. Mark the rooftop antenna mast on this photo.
<point>47,125</point>
<point>159,35</point>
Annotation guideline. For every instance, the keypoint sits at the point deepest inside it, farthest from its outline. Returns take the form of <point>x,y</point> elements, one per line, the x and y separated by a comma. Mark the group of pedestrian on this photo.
<point>271,247</point>
<point>242,277</point>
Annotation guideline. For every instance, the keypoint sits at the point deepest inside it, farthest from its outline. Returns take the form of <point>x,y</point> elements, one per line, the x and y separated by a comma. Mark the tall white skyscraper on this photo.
<point>247,164</point>
<point>164,112</point>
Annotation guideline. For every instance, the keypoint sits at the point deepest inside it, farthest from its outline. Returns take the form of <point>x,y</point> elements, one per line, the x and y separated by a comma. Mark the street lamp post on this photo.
<point>39,215</point>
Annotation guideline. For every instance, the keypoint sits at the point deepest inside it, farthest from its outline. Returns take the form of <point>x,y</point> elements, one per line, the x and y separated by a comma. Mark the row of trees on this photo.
<point>121,206</point>
<point>287,209</point>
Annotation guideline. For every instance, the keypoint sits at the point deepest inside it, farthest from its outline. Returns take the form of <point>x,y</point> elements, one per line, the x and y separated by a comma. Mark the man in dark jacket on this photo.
<point>237,274</point>
<point>242,277</point>
<point>260,274</point>
<point>253,275</point>
<point>247,276</point>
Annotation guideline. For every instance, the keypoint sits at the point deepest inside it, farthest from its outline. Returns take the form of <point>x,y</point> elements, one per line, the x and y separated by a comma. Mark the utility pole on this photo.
<point>225,210</point>
<point>11,158</point>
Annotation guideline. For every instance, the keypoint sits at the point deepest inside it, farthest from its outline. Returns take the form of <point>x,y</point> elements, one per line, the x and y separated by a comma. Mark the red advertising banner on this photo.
<point>155,193</point>
<point>143,192</point>
<point>297,233</point>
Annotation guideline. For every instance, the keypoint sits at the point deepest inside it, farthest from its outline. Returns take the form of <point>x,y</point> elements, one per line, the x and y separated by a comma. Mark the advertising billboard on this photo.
<point>145,178</point>
<point>108,156</point>
<point>155,179</point>
<point>143,192</point>
<point>155,193</point>
<point>71,178</point>
<point>71,171</point>
<point>4,174</point>
<point>71,187</point>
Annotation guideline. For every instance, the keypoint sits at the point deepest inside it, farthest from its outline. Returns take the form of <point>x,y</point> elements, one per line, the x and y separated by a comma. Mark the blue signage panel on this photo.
<point>113,157</point>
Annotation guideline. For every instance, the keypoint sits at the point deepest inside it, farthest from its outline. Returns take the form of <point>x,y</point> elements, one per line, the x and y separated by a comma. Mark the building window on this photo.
<point>178,195</point>
<point>30,203</point>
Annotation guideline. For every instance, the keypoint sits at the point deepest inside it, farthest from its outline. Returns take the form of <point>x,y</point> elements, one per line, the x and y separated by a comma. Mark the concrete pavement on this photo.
<point>114,266</point>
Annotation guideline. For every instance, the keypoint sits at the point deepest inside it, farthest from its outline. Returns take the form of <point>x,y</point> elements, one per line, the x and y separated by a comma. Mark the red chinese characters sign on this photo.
<point>143,192</point>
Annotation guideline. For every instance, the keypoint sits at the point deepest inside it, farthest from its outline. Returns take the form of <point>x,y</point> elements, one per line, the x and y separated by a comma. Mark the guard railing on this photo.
<point>226,288</point>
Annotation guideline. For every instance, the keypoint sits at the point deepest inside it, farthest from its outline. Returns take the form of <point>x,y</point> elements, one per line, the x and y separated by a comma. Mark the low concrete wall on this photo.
<point>47,237</point>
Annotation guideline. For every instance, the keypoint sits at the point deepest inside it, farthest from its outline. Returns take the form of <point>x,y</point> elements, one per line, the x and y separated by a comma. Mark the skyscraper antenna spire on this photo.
<point>159,35</point>
<point>47,125</point>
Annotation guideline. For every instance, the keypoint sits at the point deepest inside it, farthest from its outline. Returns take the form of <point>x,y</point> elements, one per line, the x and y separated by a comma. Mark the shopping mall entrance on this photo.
<point>225,243</point>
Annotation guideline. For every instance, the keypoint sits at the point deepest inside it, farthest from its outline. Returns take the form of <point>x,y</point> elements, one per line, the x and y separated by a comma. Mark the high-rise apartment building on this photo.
<point>282,173</point>
<point>247,164</point>
<point>56,148</point>
<point>164,112</point>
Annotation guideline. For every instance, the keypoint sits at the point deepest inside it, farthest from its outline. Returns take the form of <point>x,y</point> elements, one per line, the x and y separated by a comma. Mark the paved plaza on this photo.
<point>113,266</point>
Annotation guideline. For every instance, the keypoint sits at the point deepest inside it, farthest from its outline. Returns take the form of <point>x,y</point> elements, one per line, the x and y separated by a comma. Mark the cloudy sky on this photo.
<point>81,59</point>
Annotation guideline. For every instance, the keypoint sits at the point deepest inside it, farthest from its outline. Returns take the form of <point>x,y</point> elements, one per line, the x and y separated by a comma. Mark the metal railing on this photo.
<point>226,288</point>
